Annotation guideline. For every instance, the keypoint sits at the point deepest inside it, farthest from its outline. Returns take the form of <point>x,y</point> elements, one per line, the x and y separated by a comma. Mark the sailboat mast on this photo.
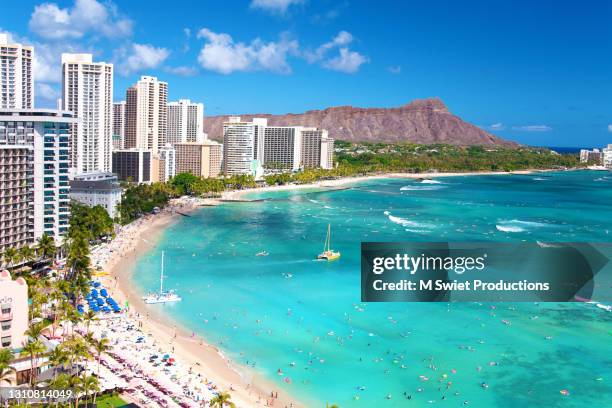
<point>161,278</point>
<point>329,237</point>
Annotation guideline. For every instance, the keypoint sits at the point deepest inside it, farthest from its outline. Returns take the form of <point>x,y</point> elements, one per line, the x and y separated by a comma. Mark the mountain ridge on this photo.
<point>424,121</point>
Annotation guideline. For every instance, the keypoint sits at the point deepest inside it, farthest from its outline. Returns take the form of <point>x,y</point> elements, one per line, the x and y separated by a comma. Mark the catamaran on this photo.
<point>328,254</point>
<point>161,296</point>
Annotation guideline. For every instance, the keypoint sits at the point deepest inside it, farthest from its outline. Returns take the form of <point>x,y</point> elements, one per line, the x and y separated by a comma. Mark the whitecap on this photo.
<point>421,188</point>
<point>416,231</point>
<point>427,181</point>
<point>509,228</point>
<point>407,223</point>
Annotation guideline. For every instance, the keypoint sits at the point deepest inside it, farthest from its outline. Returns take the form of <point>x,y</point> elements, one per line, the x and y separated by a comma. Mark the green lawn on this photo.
<point>110,401</point>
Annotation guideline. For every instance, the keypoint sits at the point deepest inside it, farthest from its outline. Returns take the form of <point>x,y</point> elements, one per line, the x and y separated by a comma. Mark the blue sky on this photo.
<point>539,72</point>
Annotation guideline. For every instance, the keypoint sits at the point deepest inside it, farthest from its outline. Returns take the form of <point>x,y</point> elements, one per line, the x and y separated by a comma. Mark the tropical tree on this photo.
<point>101,347</point>
<point>58,358</point>
<point>90,383</point>
<point>32,349</point>
<point>10,257</point>
<point>46,247</point>
<point>221,400</point>
<point>6,356</point>
<point>26,254</point>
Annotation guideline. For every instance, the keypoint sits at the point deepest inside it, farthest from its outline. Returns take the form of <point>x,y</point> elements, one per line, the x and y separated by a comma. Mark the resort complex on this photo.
<point>162,247</point>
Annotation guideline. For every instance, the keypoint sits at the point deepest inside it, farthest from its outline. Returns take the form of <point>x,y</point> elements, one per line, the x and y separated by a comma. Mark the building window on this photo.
<point>6,325</point>
<point>6,341</point>
<point>6,308</point>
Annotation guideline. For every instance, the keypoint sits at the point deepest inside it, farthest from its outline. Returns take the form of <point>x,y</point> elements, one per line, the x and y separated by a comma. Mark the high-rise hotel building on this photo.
<point>200,159</point>
<point>34,187</point>
<point>317,148</point>
<point>240,141</point>
<point>185,122</point>
<point>146,115</point>
<point>248,146</point>
<point>87,90</point>
<point>16,74</point>
<point>118,125</point>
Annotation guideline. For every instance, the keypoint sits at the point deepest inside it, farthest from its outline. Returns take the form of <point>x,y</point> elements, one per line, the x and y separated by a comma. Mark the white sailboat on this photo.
<point>161,296</point>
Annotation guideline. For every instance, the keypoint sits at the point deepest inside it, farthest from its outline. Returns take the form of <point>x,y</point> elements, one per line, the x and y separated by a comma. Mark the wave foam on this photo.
<point>421,188</point>
<point>407,223</point>
<point>518,225</point>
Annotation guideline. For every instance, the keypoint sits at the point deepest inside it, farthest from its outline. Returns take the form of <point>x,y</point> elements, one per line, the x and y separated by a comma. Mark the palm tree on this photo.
<point>101,347</point>
<point>35,330</point>
<point>61,382</point>
<point>6,356</point>
<point>32,348</point>
<point>26,254</point>
<point>221,400</point>
<point>90,383</point>
<point>58,358</point>
<point>10,257</point>
<point>89,317</point>
<point>46,247</point>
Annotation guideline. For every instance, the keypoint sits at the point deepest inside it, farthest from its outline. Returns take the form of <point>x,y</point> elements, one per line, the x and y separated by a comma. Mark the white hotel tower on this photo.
<point>16,78</point>
<point>87,91</point>
<point>185,122</point>
<point>34,189</point>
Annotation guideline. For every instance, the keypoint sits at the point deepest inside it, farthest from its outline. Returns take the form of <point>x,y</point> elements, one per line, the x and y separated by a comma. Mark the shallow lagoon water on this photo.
<point>286,311</point>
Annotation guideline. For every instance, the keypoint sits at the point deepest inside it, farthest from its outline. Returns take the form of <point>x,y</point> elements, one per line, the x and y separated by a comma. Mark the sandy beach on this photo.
<point>131,242</point>
<point>119,256</point>
<point>341,182</point>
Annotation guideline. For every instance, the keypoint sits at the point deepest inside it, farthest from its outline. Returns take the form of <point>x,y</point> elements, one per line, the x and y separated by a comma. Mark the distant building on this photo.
<point>135,165</point>
<point>146,115</point>
<point>317,149</point>
<point>248,146</point>
<point>34,162</point>
<point>240,139</point>
<point>87,91</point>
<point>16,63</point>
<point>13,311</point>
<point>607,156</point>
<point>591,156</point>
<point>118,125</point>
<point>200,159</point>
<point>282,147</point>
<point>167,163</point>
<point>97,189</point>
<point>185,122</point>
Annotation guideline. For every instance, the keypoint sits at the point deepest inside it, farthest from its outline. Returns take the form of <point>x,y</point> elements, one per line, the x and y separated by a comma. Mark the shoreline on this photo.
<point>237,195</point>
<point>130,244</point>
<point>195,352</point>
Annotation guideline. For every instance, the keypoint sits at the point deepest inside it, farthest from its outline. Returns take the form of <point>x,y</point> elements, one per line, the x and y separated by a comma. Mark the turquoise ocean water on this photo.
<point>286,311</point>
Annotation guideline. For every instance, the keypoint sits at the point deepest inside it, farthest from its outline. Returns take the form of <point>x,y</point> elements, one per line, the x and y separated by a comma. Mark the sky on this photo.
<point>538,72</point>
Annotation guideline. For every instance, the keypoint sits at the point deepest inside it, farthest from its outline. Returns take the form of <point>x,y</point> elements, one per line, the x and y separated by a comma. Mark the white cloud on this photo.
<point>274,6</point>
<point>138,57</point>
<point>395,69</point>
<point>348,61</point>
<point>609,128</point>
<point>496,126</point>
<point>341,39</point>
<point>533,128</point>
<point>221,54</point>
<point>86,16</point>
<point>46,92</point>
